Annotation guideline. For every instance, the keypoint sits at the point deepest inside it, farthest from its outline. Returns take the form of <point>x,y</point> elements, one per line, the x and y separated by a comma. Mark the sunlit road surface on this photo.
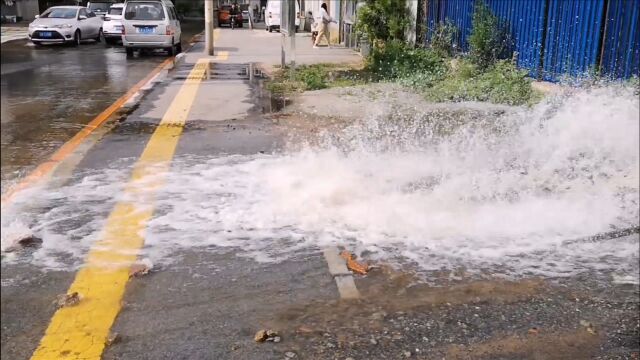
<point>50,92</point>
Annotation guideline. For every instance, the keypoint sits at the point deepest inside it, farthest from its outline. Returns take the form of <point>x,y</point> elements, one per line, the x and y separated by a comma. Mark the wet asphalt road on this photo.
<point>49,93</point>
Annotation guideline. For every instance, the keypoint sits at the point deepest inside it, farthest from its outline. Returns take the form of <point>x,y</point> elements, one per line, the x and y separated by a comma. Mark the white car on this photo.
<point>151,24</point>
<point>272,15</point>
<point>65,24</point>
<point>112,26</point>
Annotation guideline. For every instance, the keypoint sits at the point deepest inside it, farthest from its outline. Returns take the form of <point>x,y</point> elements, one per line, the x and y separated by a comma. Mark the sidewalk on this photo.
<point>264,48</point>
<point>10,33</point>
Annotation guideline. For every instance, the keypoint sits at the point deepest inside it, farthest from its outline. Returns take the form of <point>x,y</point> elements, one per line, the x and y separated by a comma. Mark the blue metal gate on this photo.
<point>556,38</point>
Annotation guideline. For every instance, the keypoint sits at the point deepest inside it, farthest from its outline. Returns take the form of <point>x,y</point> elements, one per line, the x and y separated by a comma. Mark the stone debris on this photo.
<point>67,300</point>
<point>267,335</point>
<point>140,268</point>
<point>24,242</point>
<point>589,326</point>
<point>113,338</point>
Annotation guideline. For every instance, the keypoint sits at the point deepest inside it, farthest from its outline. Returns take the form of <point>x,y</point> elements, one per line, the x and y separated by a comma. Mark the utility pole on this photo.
<point>208,27</point>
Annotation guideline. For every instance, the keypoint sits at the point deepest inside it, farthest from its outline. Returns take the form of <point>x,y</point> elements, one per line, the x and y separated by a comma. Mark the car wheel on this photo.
<point>178,48</point>
<point>129,52</point>
<point>76,38</point>
<point>270,29</point>
<point>171,50</point>
<point>100,35</point>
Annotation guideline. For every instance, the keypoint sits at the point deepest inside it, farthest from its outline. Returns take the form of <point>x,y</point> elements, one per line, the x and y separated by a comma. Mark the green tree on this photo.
<point>384,20</point>
<point>489,40</point>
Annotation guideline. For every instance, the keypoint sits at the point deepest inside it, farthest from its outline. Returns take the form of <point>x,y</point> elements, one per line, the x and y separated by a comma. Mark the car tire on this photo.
<point>129,52</point>
<point>270,28</point>
<point>171,50</point>
<point>77,36</point>
<point>100,35</point>
<point>178,48</point>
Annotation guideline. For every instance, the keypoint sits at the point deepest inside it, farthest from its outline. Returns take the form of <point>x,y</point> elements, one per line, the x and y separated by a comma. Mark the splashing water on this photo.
<point>500,193</point>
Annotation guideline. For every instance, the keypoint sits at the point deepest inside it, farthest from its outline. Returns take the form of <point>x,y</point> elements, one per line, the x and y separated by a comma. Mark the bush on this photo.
<point>443,38</point>
<point>501,83</point>
<point>316,77</point>
<point>489,40</point>
<point>383,20</point>
<point>395,60</point>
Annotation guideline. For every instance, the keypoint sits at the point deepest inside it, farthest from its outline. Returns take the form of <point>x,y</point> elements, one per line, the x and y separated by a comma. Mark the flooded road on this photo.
<point>49,93</point>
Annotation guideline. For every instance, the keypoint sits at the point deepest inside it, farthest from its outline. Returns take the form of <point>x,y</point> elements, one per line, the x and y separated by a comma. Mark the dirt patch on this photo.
<point>570,345</point>
<point>399,316</point>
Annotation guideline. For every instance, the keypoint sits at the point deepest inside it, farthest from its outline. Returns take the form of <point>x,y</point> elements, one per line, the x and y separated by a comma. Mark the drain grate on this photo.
<point>219,71</point>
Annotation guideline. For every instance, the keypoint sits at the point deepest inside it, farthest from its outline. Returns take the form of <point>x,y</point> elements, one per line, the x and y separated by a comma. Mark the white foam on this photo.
<point>494,193</point>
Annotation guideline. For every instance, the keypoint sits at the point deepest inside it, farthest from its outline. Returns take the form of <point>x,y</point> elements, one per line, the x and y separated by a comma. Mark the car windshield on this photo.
<point>99,6</point>
<point>144,11</point>
<point>115,11</point>
<point>60,13</point>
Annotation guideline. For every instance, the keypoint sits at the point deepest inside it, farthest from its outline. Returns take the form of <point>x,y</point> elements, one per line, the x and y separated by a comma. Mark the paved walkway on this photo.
<point>10,33</point>
<point>260,46</point>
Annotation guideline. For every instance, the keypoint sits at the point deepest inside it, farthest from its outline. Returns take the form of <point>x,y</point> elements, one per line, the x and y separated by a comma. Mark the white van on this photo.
<point>151,24</point>
<point>272,15</point>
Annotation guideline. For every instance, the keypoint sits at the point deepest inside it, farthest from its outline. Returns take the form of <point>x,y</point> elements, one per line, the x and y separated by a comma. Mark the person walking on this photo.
<point>323,26</point>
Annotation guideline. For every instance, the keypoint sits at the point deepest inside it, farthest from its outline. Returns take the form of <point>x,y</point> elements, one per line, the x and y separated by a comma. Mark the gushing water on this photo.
<point>500,193</point>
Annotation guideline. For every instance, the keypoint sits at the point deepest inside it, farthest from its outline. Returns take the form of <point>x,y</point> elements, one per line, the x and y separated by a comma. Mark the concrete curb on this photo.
<point>338,269</point>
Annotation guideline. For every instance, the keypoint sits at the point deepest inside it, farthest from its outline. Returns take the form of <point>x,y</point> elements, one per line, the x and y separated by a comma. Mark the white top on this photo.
<point>325,16</point>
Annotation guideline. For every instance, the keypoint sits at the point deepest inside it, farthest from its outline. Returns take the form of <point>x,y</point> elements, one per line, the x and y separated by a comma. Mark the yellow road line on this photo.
<point>80,331</point>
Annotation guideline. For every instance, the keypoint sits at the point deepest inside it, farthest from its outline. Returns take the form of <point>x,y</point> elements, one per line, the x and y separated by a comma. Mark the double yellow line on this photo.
<point>80,331</point>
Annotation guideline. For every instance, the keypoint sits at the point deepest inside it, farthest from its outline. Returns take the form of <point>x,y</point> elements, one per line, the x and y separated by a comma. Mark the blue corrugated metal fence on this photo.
<point>555,38</point>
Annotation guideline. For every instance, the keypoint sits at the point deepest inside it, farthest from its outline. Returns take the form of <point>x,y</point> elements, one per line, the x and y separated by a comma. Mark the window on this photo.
<point>115,11</point>
<point>90,14</point>
<point>175,14</point>
<point>82,12</point>
<point>99,6</point>
<point>60,13</point>
<point>144,11</point>
<point>172,16</point>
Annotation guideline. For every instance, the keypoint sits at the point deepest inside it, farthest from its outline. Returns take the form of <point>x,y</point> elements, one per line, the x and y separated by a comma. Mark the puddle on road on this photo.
<point>498,194</point>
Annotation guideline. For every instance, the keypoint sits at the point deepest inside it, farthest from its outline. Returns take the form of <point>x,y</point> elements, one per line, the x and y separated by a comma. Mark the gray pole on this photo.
<point>208,27</point>
<point>292,33</point>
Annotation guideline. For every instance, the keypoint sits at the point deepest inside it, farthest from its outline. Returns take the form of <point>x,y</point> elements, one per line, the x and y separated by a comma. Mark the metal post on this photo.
<point>292,33</point>
<point>208,26</point>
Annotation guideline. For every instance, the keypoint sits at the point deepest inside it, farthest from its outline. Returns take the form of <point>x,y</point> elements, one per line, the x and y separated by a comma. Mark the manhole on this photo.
<point>220,71</point>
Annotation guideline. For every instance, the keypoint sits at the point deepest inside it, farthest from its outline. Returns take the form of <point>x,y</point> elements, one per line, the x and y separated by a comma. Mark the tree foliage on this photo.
<point>384,20</point>
<point>489,40</point>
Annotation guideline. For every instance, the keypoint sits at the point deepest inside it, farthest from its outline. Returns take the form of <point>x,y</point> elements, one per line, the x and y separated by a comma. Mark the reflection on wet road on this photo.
<point>51,92</point>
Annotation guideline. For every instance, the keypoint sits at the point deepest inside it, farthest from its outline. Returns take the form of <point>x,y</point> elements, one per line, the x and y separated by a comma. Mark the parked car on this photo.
<point>151,24</point>
<point>224,16</point>
<point>272,15</point>
<point>65,24</point>
<point>100,8</point>
<point>112,26</point>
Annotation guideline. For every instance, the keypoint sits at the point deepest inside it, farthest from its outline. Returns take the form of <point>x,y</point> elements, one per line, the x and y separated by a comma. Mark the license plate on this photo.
<point>46,34</point>
<point>145,30</point>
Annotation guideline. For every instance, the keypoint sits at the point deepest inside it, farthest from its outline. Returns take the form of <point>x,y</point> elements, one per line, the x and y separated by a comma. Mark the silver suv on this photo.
<point>151,24</point>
